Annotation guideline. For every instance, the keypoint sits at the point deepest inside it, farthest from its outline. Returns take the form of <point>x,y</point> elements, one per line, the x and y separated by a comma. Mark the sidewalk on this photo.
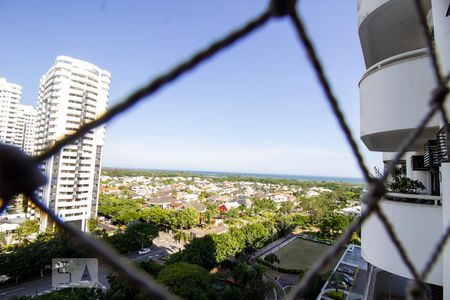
<point>272,246</point>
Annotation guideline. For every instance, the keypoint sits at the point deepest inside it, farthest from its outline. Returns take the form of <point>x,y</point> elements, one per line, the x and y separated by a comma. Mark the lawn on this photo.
<point>300,254</point>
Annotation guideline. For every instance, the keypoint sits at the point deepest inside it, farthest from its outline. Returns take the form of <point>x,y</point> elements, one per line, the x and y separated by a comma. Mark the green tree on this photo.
<point>225,246</point>
<point>2,239</point>
<point>155,215</point>
<point>250,278</point>
<point>200,251</point>
<point>255,236</point>
<point>213,249</point>
<point>122,243</point>
<point>151,268</point>
<point>272,258</point>
<point>244,273</point>
<point>126,216</point>
<point>186,280</point>
<point>120,290</point>
<point>230,293</point>
<point>299,221</point>
<point>211,213</point>
<point>286,207</point>
<point>119,210</point>
<point>263,204</point>
<point>33,259</point>
<point>320,206</point>
<point>92,224</point>
<point>181,236</point>
<point>333,224</point>
<point>232,216</point>
<point>204,195</point>
<point>283,225</point>
<point>141,234</point>
<point>185,219</point>
<point>136,236</point>
<point>23,232</point>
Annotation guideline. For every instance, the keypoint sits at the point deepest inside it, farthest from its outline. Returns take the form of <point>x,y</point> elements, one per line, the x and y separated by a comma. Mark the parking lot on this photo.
<point>353,261</point>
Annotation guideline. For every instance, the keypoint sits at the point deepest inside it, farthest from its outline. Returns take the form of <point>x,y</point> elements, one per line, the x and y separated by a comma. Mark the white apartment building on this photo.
<point>395,92</point>
<point>10,94</point>
<point>17,121</point>
<point>26,128</point>
<point>71,93</point>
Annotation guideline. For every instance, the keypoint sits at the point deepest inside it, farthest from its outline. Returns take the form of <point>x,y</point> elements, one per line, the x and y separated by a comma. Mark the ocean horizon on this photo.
<point>255,175</point>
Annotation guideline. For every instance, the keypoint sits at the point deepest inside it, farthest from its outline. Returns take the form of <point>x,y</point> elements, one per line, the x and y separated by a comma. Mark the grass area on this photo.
<point>301,254</point>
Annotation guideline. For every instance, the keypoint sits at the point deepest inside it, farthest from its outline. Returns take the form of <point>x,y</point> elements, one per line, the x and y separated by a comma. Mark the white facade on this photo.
<point>26,128</point>
<point>73,92</point>
<point>395,92</point>
<point>17,121</point>
<point>10,95</point>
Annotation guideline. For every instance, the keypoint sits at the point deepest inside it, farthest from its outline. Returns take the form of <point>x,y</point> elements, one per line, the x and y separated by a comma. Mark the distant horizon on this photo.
<point>255,106</point>
<point>252,174</point>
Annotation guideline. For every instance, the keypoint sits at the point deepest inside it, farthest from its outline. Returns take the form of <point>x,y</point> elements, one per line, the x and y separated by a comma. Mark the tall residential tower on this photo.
<point>26,128</point>
<point>72,93</point>
<point>17,121</point>
<point>10,94</point>
<point>395,94</point>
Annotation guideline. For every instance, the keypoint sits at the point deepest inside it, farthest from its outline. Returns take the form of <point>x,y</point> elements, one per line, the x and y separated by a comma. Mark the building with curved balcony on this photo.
<point>72,92</point>
<point>395,94</point>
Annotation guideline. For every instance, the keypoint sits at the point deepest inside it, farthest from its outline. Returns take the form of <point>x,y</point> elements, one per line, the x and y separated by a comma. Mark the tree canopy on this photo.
<point>186,280</point>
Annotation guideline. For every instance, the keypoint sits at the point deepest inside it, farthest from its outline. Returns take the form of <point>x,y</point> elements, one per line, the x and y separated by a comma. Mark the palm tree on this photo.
<point>2,239</point>
<point>244,273</point>
<point>272,258</point>
<point>181,236</point>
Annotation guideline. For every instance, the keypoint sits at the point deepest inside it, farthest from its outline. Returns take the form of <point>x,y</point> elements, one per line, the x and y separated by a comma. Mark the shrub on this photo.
<point>338,295</point>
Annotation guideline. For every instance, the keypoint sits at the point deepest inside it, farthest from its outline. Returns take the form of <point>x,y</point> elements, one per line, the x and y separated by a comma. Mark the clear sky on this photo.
<point>256,107</point>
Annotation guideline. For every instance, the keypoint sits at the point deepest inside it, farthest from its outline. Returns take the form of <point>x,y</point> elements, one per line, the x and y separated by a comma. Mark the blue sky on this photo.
<point>256,107</point>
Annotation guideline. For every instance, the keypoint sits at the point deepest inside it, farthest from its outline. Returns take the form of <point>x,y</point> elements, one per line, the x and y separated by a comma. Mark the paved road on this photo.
<point>163,245</point>
<point>28,288</point>
<point>44,285</point>
<point>278,287</point>
<point>272,246</point>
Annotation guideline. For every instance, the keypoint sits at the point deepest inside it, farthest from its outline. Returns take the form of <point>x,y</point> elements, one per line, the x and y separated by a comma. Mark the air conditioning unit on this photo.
<point>442,145</point>
<point>430,154</point>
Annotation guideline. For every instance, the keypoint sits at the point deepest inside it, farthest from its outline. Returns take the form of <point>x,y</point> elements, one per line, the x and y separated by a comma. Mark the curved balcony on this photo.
<point>366,7</point>
<point>417,220</point>
<point>388,28</point>
<point>394,97</point>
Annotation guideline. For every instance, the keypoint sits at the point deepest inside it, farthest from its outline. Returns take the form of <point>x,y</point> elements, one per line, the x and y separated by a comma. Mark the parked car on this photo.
<point>144,251</point>
<point>347,279</point>
<point>346,271</point>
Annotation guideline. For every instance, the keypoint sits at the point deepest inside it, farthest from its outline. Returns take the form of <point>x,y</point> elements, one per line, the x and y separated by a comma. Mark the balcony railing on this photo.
<point>394,59</point>
<point>414,198</point>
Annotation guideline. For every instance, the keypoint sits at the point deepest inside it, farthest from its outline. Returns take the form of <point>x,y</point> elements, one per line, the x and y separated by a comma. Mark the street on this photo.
<point>162,246</point>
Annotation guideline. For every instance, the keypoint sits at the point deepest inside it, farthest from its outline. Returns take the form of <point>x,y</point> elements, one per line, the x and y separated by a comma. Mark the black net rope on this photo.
<point>20,174</point>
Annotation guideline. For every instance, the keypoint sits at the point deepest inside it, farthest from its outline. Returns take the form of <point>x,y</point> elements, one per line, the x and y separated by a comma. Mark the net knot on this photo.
<point>19,174</point>
<point>376,190</point>
<point>281,8</point>
<point>439,95</point>
<point>416,291</point>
